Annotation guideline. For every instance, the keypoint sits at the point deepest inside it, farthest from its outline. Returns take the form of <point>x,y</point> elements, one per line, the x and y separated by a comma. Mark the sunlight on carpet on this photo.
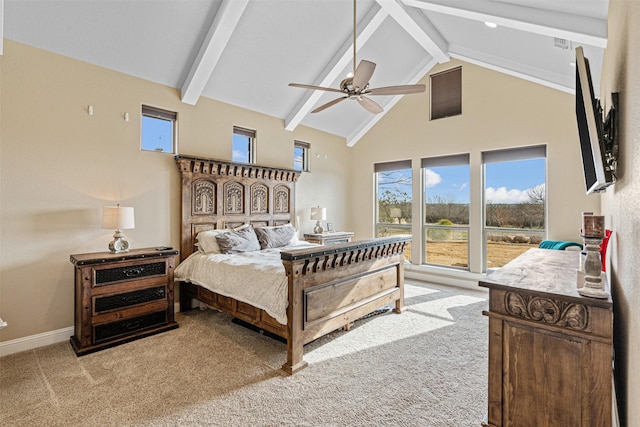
<point>420,318</point>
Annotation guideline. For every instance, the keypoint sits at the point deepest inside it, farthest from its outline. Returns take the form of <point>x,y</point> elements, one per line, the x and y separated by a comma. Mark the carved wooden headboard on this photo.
<point>218,194</point>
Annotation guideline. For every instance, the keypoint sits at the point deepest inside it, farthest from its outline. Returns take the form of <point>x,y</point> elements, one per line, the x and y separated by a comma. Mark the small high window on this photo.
<point>158,130</point>
<point>244,145</point>
<point>301,156</point>
<point>446,94</point>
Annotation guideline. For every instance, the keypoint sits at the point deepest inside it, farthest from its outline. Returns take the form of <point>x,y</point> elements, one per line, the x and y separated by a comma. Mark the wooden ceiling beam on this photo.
<point>419,27</point>
<point>580,29</point>
<point>211,49</point>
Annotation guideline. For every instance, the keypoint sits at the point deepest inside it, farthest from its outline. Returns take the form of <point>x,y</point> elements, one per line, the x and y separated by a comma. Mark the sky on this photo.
<point>506,182</point>
<point>157,134</point>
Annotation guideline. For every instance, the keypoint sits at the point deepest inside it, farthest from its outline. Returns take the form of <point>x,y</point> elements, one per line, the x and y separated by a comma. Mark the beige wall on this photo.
<point>621,203</point>
<point>498,111</point>
<point>59,166</point>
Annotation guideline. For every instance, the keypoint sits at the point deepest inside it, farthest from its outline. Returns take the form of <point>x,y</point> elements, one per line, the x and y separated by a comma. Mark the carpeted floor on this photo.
<point>425,367</point>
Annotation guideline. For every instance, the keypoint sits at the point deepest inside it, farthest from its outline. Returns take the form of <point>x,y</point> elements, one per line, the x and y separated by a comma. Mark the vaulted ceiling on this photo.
<point>245,52</point>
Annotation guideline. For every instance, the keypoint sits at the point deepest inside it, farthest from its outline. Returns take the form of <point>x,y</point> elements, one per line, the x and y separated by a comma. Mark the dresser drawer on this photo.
<point>108,276</point>
<point>113,302</point>
<point>125,327</point>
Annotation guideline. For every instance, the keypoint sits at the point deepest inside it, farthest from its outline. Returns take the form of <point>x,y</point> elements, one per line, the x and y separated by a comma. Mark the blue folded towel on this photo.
<point>557,245</point>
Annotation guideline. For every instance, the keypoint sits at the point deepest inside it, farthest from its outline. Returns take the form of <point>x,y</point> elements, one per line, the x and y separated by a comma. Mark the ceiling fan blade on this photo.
<point>397,90</point>
<point>328,89</point>
<point>363,73</point>
<point>329,104</point>
<point>370,105</point>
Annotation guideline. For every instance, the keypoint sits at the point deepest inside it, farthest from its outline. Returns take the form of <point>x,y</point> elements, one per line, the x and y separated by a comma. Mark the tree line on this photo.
<point>393,208</point>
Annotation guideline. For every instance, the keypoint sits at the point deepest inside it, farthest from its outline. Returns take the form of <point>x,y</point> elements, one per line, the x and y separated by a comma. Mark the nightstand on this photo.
<point>329,238</point>
<point>122,297</point>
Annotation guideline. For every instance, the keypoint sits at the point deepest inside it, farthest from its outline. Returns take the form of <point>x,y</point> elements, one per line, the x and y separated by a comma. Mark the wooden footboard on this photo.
<point>331,286</point>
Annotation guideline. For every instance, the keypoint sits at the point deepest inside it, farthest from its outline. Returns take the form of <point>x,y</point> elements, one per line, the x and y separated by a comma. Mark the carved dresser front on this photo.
<point>550,349</point>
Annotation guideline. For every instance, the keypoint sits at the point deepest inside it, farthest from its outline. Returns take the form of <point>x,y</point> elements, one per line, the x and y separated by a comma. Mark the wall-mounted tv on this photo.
<point>596,138</point>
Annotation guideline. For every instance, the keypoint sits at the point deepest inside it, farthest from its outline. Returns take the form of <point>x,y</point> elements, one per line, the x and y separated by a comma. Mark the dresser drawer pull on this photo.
<point>133,272</point>
<point>133,325</point>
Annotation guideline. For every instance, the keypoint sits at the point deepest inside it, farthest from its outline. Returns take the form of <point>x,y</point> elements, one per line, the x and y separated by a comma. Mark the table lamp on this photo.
<point>318,214</point>
<point>120,218</point>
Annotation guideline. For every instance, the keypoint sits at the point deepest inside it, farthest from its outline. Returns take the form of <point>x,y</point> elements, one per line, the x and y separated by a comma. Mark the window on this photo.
<point>301,156</point>
<point>446,94</point>
<point>445,182</point>
<point>393,199</point>
<point>158,130</point>
<point>514,202</point>
<point>244,145</point>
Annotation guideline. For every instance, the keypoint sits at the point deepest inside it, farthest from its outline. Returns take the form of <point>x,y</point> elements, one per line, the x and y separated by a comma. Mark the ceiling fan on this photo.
<point>357,87</point>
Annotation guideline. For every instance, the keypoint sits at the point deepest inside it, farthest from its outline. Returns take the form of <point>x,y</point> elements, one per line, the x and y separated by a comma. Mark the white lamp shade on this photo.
<point>117,217</point>
<point>319,214</point>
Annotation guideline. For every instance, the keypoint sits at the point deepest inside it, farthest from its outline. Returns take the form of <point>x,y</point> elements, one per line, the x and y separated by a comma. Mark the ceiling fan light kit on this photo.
<point>357,87</point>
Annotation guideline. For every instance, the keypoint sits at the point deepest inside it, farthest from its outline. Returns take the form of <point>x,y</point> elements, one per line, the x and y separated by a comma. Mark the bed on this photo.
<point>326,287</point>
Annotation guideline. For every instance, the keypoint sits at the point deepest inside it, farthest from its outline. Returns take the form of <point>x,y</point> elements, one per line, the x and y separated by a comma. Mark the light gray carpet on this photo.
<point>425,367</point>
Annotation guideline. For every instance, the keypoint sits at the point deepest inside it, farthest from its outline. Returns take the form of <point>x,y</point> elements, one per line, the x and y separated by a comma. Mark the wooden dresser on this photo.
<point>122,297</point>
<point>550,349</point>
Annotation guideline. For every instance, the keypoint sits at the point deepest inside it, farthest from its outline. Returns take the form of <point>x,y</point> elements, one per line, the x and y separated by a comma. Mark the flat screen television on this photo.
<point>597,174</point>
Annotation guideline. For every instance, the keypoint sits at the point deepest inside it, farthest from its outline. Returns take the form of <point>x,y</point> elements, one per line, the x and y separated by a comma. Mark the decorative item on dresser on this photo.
<point>326,288</point>
<point>318,214</point>
<point>120,218</point>
<point>550,349</point>
<point>329,238</point>
<point>122,297</point>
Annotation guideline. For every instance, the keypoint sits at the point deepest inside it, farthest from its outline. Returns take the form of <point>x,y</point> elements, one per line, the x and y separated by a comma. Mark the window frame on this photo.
<point>453,160</point>
<point>404,228</point>
<point>251,149</point>
<point>531,152</point>
<point>306,149</point>
<point>160,114</point>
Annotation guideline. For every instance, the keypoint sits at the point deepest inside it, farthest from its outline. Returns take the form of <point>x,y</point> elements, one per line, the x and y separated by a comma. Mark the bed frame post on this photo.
<point>295,314</point>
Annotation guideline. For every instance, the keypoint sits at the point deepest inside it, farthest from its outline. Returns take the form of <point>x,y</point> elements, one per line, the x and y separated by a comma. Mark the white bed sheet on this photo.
<point>257,278</point>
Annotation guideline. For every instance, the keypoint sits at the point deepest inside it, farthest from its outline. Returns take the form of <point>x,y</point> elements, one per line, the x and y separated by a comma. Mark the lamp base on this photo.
<point>118,244</point>
<point>318,228</point>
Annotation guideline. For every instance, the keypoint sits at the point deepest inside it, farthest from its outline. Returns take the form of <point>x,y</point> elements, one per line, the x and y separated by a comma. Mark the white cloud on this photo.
<point>431,179</point>
<point>461,187</point>
<point>502,195</point>
<point>239,156</point>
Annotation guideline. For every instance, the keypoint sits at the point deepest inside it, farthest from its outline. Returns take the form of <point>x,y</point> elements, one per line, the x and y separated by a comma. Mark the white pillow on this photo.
<point>207,242</point>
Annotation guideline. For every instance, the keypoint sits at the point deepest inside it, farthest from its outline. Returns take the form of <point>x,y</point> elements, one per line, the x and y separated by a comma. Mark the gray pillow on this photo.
<point>275,237</point>
<point>244,240</point>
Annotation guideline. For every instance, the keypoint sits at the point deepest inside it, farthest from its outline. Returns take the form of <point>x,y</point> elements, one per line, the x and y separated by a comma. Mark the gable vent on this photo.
<point>561,43</point>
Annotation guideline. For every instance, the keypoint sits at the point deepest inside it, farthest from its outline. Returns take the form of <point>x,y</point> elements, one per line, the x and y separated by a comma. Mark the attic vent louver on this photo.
<point>561,43</point>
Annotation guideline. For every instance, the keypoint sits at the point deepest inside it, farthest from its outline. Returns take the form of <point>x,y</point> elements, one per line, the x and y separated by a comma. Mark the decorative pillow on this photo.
<point>244,240</point>
<point>276,237</point>
<point>206,240</point>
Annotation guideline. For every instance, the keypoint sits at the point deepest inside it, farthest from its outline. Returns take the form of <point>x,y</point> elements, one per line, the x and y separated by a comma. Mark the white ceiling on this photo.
<point>245,52</point>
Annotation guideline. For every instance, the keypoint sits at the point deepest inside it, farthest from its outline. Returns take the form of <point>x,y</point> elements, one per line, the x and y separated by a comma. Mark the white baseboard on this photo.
<point>40,340</point>
<point>444,276</point>
<point>35,341</point>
